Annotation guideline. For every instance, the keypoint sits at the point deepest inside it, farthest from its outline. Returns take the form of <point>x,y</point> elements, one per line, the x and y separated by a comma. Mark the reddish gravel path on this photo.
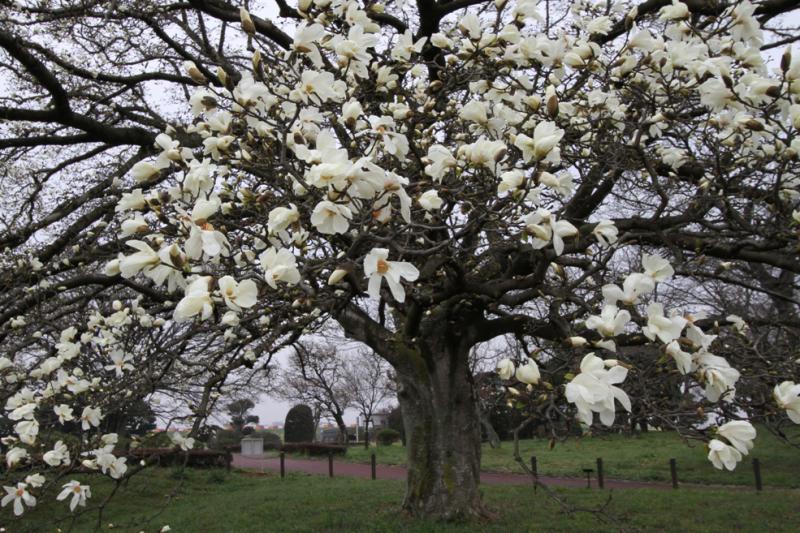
<point>320,467</point>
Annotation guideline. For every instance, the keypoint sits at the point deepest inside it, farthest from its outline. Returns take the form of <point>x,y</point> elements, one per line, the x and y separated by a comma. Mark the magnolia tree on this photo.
<point>430,176</point>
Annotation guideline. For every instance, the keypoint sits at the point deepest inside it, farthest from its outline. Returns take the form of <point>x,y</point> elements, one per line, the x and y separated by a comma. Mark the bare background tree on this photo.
<point>315,376</point>
<point>368,382</point>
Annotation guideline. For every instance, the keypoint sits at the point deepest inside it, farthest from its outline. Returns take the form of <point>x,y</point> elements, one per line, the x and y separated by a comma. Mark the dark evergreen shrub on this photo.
<point>387,436</point>
<point>299,425</point>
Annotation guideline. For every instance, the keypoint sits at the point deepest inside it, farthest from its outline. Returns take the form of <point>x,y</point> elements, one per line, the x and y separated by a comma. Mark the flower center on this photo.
<point>383,266</point>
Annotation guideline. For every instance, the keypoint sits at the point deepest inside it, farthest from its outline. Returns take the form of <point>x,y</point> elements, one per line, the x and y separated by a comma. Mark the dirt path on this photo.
<point>320,467</point>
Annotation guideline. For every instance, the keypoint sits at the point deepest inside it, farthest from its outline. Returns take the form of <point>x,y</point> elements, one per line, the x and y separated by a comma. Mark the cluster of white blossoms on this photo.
<point>59,389</point>
<point>593,389</point>
<point>351,182</point>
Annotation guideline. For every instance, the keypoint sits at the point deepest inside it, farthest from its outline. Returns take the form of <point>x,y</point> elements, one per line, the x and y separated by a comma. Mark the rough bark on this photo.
<point>442,426</point>
<point>491,434</point>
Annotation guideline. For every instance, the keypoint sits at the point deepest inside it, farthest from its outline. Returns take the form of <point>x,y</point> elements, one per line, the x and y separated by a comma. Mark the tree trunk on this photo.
<point>339,419</point>
<point>491,434</point>
<point>443,436</point>
<point>366,432</point>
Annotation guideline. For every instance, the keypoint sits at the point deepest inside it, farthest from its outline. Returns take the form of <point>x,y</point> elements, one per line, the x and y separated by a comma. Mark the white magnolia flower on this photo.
<point>337,276</point>
<point>185,443</point>
<point>377,267</point>
<point>15,455</point>
<point>577,342</point>
<point>543,227</point>
<point>35,480</point>
<point>351,111</point>
<point>318,87</point>
<point>279,265</point>
<point>25,410</point>
<point>470,25</point>
<point>406,46</point>
<point>63,412</point>
<point>722,455</point>
<point>528,373</point>
<point>90,417</point>
<point>132,226</point>
<point>593,390</point>
<point>203,238</point>
<point>238,295</point>
<point>18,495</point>
<point>441,160</point>
<point>430,201</point>
<point>280,218</point>
<point>27,430</point>
<point>610,322</point>
<point>635,285</point>
<point>204,208</point>
<point>676,11</point>
<point>510,181</point>
<point>330,218</point>
<point>58,455</point>
<point>196,301</point>
<point>787,396</point>
<point>505,368</point>
<point>658,325</point>
<point>698,337</point>
<point>484,152</point>
<point>720,378</point>
<point>561,184</point>
<point>120,362</point>
<point>305,38</point>
<point>657,267</point>
<point>606,233</point>
<point>599,25</point>
<point>78,492</point>
<point>230,319</point>
<point>546,137</point>
<point>738,323</point>
<point>144,170</point>
<point>739,433</point>
<point>111,464</point>
<point>682,359</point>
<point>131,201</point>
<point>145,259</point>
<point>474,111</point>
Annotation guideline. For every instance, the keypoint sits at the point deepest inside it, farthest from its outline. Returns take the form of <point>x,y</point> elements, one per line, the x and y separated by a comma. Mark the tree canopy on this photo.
<point>190,187</point>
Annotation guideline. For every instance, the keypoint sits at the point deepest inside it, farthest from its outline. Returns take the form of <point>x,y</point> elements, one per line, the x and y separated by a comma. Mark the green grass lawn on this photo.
<point>215,502</point>
<point>643,457</point>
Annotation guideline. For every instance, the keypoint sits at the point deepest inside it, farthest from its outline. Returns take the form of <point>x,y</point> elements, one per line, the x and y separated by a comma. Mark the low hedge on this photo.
<point>177,457</point>
<point>387,436</point>
<point>313,448</point>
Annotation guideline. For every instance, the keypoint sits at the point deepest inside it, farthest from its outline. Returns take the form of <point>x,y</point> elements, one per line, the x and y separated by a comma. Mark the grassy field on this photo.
<point>215,502</point>
<point>643,457</point>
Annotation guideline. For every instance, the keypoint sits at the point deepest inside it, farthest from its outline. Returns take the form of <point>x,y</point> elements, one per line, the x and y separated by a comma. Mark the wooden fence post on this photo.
<point>757,472</point>
<point>600,478</point>
<point>373,466</point>
<point>330,464</point>
<point>283,465</point>
<point>673,472</point>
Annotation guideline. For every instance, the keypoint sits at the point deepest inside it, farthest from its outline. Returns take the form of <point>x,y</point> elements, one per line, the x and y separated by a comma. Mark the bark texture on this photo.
<point>443,434</point>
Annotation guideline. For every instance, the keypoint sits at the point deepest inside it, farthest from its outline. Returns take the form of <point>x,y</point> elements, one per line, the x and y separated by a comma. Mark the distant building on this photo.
<point>380,420</point>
